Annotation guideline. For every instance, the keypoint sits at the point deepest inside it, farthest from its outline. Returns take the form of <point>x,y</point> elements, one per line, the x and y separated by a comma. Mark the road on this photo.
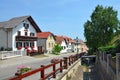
<point>9,71</point>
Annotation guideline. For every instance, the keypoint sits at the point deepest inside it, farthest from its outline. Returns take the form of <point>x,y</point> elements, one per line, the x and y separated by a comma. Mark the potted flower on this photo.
<point>22,69</point>
<point>54,60</point>
<point>26,47</point>
<point>20,47</point>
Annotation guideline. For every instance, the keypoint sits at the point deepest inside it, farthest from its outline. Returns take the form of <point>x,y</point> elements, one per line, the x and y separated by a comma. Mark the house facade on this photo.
<point>60,40</point>
<point>19,33</point>
<point>70,44</point>
<point>46,41</point>
<point>80,46</point>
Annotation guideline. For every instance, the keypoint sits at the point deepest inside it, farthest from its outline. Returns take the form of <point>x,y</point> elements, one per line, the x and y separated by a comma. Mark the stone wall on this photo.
<point>74,72</point>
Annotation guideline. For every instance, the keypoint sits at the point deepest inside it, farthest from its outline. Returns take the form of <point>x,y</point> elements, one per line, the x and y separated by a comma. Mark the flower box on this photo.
<point>54,60</point>
<point>22,69</point>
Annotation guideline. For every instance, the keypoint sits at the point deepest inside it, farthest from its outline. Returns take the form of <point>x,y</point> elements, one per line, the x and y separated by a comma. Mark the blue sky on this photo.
<point>61,17</point>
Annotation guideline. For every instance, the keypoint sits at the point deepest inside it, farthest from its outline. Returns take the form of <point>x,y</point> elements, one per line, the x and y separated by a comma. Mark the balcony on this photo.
<point>26,38</point>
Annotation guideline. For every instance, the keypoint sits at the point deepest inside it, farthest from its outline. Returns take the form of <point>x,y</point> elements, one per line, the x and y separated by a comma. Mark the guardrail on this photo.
<point>10,54</point>
<point>64,63</point>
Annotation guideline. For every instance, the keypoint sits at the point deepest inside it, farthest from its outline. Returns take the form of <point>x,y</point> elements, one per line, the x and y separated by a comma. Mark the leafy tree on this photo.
<point>57,48</point>
<point>102,27</point>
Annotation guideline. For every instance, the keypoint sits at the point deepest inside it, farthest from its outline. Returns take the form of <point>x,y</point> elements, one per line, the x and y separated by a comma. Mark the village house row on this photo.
<point>22,33</point>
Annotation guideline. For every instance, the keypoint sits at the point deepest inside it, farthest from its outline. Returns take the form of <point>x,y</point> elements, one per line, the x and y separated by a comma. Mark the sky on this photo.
<point>61,17</point>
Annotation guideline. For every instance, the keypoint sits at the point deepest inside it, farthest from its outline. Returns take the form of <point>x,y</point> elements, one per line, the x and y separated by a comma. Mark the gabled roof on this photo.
<point>59,39</point>
<point>44,34</point>
<point>69,40</point>
<point>17,20</point>
<point>79,41</point>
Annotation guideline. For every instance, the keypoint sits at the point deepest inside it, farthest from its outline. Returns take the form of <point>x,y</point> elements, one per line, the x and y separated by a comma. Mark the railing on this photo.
<point>10,54</point>
<point>112,63</point>
<point>67,61</point>
<point>105,57</point>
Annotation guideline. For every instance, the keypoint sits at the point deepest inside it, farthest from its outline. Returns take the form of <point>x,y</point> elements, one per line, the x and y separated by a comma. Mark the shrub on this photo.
<point>8,49</point>
<point>2,49</point>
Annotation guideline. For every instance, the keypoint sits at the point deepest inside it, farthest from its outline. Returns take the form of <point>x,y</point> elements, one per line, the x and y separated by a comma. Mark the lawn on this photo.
<point>39,56</point>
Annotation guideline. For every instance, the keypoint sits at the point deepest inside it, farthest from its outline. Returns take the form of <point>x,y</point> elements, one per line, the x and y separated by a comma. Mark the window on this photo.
<point>26,25</point>
<point>25,33</point>
<point>26,44</point>
<point>52,44</point>
<point>18,44</point>
<point>31,44</point>
<point>49,44</point>
<point>32,34</point>
<point>19,33</point>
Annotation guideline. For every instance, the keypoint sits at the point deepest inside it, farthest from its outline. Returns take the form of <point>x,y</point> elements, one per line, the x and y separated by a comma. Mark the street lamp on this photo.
<point>77,44</point>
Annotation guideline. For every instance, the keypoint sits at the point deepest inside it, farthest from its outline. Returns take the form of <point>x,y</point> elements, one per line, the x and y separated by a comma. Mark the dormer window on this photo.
<point>26,25</point>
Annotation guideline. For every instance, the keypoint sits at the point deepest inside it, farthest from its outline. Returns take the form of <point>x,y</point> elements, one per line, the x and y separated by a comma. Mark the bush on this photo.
<point>109,50</point>
<point>8,49</point>
<point>57,48</point>
<point>2,49</point>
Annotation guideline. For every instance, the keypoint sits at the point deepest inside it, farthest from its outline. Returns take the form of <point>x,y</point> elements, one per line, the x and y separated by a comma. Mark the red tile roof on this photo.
<point>59,39</point>
<point>43,34</point>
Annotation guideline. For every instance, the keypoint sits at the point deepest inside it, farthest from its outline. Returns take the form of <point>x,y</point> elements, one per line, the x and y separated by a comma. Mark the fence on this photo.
<point>109,67</point>
<point>63,64</point>
<point>10,54</point>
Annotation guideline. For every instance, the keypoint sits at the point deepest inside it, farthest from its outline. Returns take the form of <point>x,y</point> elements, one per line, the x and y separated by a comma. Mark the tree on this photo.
<point>57,48</point>
<point>102,27</point>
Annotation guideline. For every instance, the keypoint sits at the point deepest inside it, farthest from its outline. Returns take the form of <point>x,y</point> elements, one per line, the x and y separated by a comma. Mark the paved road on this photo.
<point>9,70</point>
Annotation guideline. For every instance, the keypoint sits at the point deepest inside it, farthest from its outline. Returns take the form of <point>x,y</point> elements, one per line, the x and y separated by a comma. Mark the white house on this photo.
<point>62,42</point>
<point>70,44</point>
<point>19,33</point>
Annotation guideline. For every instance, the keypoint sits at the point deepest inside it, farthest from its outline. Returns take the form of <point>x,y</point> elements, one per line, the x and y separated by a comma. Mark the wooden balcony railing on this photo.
<point>64,63</point>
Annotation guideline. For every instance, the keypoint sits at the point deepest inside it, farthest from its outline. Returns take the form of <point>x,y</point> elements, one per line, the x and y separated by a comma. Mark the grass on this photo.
<point>55,53</point>
<point>68,77</point>
<point>39,56</point>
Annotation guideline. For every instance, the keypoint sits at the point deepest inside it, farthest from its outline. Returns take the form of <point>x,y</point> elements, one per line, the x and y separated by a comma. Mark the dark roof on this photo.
<point>17,20</point>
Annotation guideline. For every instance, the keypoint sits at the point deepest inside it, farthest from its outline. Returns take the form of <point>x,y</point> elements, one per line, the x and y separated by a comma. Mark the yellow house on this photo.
<point>46,42</point>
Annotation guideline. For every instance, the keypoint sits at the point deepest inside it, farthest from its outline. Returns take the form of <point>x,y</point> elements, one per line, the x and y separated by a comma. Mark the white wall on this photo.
<point>63,44</point>
<point>22,29</point>
<point>10,38</point>
<point>3,38</point>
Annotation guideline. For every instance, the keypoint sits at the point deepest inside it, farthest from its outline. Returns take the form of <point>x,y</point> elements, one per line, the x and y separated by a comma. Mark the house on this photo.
<point>80,46</point>
<point>46,42</point>
<point>70,44</point>
<point>62,42</point>
<point>19,33</point>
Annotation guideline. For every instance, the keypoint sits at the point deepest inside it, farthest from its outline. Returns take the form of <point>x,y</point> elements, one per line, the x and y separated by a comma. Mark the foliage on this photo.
<point>5,49</point>
<point>23,68</point>
<point>2,49</point>
<point>109,49</point>
<point>106,48</point>
<point>57,48</point>
<point>8,49</point>
<point>102,27</point>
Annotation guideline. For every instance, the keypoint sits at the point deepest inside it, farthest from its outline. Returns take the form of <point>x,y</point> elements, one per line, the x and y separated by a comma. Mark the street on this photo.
<point>9,71</point>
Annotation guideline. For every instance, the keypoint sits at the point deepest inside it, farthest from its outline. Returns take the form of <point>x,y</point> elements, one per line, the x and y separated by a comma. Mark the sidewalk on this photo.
<point>16,60</point>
